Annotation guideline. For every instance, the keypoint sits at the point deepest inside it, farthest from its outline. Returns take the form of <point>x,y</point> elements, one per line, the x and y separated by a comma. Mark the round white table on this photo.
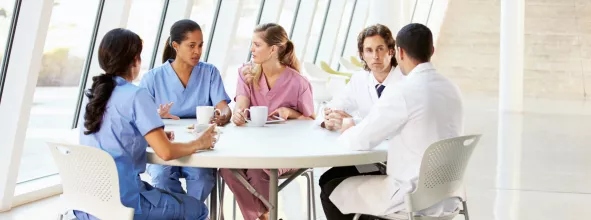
<point>291,144</point>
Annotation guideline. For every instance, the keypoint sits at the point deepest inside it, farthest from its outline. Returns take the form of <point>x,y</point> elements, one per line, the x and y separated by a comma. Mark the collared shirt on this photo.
<point>360,94</point>
<point>205,88</point>
<point>130,115</point>
<point>424,108</point>
<point>291,90</point>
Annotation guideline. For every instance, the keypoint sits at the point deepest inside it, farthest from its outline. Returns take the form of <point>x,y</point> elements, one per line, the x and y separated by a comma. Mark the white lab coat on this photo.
<point>424,108</point>
<point>360,93</point>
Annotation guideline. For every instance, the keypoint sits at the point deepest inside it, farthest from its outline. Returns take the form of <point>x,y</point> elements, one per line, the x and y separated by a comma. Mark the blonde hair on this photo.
<point>274,35</point>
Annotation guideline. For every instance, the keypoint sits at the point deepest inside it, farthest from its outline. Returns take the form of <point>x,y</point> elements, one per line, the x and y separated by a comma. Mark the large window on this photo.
<point>315,33</point>
<point>203,13</point>
<point>343,33</point>
<point>240,45</point>
<point>287,14</point>
<point>6,12</point>
<point>144,18</point>
<point>56,93</point>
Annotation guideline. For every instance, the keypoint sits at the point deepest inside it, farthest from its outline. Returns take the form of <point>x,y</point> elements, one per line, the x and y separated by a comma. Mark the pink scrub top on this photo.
<point>291,90</point>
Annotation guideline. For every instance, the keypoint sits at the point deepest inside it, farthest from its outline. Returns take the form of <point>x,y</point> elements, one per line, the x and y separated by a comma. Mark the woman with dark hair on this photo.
<point>188,83</point>
<point>274,81</point>
<point>119,118</point>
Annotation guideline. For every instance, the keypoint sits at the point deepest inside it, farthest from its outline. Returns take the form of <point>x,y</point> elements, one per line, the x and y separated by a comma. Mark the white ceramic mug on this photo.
<point>200,128</point>
<point>205,114</point>
<point>258,115</point>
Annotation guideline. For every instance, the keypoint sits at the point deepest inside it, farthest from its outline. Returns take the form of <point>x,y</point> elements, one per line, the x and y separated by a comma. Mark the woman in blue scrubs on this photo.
<point>187,83</point>
<point>119,118</point>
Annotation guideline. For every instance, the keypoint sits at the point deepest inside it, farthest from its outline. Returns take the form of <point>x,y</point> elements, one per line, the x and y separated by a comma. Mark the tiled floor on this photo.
<point>531,166</point>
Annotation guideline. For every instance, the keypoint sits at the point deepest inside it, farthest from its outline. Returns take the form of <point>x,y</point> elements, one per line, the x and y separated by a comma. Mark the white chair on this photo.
<point>348,65</point>
<point>441,177</point>
<point>356,61</point>
<point>336,85</point>
<point>321,94</point>
<point>90,181</point>
<point>316,72</point>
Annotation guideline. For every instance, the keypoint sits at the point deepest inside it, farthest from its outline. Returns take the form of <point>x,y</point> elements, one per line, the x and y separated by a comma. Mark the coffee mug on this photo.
<point>258,115</point>
<point>200,128</point>
<point>205,114</point>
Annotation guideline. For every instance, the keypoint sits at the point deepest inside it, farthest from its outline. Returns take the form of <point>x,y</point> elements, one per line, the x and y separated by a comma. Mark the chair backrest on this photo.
<point>324,66</point>
<point>348,65</point>
<point>356,62</point>
<point>315,72</point>
<point>442,172</point>
<point>320,88</point>
<point>90,181</point>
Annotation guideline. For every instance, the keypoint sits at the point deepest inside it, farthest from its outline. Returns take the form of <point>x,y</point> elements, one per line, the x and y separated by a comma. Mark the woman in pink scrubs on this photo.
<point>273,81</point>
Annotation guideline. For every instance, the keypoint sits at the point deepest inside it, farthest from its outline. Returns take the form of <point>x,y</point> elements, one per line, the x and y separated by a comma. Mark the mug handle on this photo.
<point>246,110</point>
<point>216,110</point>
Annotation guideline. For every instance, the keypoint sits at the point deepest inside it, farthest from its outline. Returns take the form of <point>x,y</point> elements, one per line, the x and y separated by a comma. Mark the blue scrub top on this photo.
<point>130,114</point>
<point>205,88</point>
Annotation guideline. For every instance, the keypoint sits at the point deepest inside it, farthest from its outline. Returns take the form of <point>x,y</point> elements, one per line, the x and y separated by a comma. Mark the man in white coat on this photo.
<point>424,108</point>
<point>375,45</point>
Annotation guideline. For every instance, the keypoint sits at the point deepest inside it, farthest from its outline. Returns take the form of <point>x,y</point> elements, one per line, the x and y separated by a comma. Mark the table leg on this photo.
<point>273,194</point>
<point>213,209</point>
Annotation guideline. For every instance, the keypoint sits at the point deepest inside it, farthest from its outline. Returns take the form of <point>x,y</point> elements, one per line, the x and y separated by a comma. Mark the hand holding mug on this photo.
<point>239,117</point>
<point>248,71</point>
<point>207,138</point>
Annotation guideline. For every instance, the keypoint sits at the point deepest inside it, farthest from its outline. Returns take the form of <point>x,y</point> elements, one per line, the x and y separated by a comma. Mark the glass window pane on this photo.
<point>342,34</point>
<point>144,18</point>
<point>6,11</point>
<point>241,43</point>
<point>54,102</point>
<point>287,13</point>
<point>145,12</point>
<point>315,32</point>
<point>202,13</point>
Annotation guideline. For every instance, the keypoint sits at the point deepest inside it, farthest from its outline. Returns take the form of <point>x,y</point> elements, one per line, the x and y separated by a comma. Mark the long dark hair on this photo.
<point>119,49</point>
<point>375,30</point>
<point>177,34</point>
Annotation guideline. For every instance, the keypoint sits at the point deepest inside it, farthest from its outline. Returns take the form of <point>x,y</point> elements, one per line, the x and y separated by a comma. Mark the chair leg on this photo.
<point>308,202</point>
<point>465,210</point>
<point>309,214</point>
<point>234,208</point>
<point>312,199</point>
<point>221,188</point>
<point>357,216</point>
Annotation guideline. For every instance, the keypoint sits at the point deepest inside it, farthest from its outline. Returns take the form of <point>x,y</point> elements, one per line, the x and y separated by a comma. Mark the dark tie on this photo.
<point>380,88</point>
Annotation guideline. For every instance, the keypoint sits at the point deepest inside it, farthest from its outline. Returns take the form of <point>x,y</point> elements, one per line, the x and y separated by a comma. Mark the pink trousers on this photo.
<point>250,206</point>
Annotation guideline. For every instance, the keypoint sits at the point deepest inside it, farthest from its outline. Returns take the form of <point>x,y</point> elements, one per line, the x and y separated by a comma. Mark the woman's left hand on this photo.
<point>285,113</point>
